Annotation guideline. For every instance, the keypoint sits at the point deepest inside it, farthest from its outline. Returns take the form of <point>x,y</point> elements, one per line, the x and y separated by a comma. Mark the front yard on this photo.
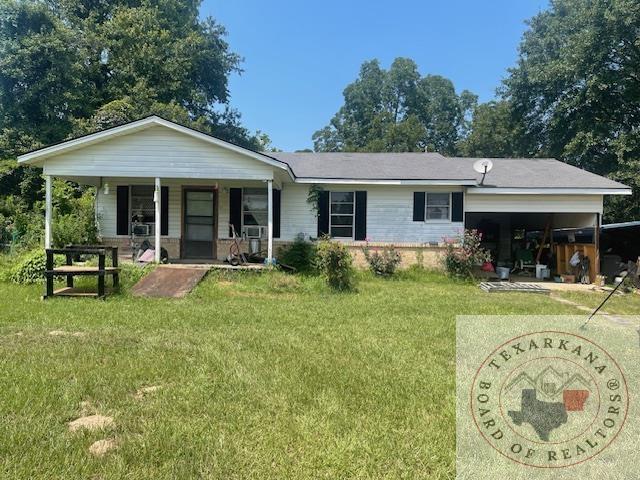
<point>260,376</point>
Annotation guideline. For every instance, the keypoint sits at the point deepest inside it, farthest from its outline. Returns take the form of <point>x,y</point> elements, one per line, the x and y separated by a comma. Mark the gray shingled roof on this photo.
<point>506,172</point>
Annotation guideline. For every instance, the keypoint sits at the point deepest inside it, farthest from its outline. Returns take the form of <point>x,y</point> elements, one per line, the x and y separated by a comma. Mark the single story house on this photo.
<point>186,188</point>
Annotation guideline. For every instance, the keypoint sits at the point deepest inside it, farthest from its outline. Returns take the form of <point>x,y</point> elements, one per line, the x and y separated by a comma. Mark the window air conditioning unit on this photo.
<point>253,232</point>
<point>141,229</point>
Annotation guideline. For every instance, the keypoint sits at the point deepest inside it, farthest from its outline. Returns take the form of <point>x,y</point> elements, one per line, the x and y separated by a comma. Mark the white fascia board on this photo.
<point>44,153</point>
<point>352,181</point>
<point>549,191</point>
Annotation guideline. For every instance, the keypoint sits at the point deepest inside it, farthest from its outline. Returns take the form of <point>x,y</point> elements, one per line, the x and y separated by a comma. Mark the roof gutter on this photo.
<point>378,181</point>
<point>548,191</point>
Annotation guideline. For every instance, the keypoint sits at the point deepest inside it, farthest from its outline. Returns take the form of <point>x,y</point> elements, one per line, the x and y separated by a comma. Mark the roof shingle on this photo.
<point>506,172</point>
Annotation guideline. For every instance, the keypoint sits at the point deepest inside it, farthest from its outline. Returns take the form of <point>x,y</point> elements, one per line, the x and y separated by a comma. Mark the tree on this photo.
<point>493,132</point>
<point>397,110</point>
<point>70,67</point>
<point>576,90</point>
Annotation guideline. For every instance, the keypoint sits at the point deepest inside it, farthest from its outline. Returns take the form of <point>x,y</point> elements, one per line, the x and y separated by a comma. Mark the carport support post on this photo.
<point>269,222</point>
<point>157,199</point>
<point>48,213</point>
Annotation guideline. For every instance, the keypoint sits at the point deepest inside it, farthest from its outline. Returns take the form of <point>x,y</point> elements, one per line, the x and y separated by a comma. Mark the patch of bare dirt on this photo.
<point>91,422</point>
<point>102,447</point>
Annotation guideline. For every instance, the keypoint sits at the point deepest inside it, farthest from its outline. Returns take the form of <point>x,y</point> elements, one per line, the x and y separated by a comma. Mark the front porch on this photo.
<point>195,216</point>
<point>169,184</point>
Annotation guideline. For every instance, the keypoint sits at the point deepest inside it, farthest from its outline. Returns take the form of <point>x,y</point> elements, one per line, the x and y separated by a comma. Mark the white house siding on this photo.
<point>157,152</point>
<point>389,214</point>
<point>296,214</point>
<point>533,203</point>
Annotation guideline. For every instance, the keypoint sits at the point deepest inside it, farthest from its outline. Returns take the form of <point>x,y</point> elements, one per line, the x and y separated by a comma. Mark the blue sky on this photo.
<point>299,55</point>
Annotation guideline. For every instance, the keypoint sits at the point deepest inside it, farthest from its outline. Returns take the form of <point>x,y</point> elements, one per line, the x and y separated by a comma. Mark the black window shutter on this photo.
<point>277,194</point>
<point>164,210</point>
<point>457,206</point>
<point>418,206</point>
<point>122,210</point>
<point>323,213</point>
<point>361,216</point>
<point>235,210</point>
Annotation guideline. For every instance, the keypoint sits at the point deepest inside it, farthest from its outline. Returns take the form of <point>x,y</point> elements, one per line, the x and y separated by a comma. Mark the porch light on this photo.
<point>105,189</point>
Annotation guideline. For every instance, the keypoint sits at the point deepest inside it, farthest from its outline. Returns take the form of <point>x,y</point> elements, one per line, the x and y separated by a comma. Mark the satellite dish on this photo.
<point>483,166</point>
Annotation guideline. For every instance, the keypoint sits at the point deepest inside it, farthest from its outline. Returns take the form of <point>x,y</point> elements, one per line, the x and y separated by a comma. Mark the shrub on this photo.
<point>462,254</point>
<point>29,268</point>
<point>299,254</point>
<point>77,224</point>
<point>383,262</point>
<point>335,264</point>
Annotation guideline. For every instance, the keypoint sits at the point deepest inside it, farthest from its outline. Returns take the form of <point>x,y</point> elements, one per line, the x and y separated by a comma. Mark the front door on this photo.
<point>198,239</point>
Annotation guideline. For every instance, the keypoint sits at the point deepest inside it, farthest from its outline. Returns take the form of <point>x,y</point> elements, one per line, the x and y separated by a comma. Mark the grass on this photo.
<point>628,304</point>
<point>263,376</point>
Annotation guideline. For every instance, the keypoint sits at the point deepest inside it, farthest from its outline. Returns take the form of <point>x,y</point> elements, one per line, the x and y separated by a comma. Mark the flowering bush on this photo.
<point>383,262</point>
<point>465,252</point>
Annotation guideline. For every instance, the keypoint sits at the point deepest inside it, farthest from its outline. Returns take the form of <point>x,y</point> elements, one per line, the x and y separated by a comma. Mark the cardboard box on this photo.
<point>566,278</point>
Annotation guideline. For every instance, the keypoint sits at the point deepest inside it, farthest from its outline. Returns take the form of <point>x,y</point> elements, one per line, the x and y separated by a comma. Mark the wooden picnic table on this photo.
<point>69,270</point>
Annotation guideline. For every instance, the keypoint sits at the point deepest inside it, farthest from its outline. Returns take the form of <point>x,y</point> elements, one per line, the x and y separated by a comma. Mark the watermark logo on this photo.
<point>549,399</point>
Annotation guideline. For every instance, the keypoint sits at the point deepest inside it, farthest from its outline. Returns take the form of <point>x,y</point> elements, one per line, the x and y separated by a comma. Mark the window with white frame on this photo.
<point>255,209</point>
<point>438,206</point>
<point>342,214</point>
<point>143,208</point>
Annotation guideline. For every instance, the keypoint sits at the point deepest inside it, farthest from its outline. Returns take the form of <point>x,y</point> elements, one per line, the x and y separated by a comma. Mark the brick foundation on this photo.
<point>426,255</point>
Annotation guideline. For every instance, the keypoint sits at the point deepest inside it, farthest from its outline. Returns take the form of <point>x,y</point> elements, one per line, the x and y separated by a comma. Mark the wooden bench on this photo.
<point>70,270</point>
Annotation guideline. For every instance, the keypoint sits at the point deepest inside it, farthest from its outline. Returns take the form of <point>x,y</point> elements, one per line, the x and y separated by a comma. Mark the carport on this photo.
<point>537,228</point>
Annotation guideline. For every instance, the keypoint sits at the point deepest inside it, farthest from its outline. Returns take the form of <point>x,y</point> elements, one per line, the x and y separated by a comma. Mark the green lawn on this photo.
<point>628,304</point>
<point>263,376</point>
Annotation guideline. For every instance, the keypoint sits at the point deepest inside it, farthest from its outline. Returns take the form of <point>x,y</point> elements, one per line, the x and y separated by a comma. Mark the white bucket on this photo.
<point>540,271</point>
<point>503,273</point>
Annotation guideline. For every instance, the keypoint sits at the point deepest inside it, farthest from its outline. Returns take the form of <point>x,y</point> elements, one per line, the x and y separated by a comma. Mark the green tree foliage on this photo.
<point>70,67</point>
<point>397,110</point>
<point>493,132</point>
<point>576,90</point>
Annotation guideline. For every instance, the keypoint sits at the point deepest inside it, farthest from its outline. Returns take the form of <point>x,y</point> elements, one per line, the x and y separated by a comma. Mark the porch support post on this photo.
<point>48,212</point>
<point>157,199</point>
<point>596,240</point>
<point>269,222</point>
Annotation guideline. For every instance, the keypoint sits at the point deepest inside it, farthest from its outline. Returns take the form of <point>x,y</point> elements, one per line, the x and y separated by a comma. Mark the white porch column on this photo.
<point>269,222</point>
<point>157,199</point>
<point>48,212</point>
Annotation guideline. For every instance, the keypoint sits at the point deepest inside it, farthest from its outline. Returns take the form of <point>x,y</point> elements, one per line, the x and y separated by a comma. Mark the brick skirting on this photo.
<point>426,255</point>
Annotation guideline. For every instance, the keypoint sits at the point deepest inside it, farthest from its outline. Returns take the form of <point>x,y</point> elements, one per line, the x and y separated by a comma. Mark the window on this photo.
<point>143,209</point>
<point>342,208</point>
<point>254,207</point>
<point>438,206</point>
